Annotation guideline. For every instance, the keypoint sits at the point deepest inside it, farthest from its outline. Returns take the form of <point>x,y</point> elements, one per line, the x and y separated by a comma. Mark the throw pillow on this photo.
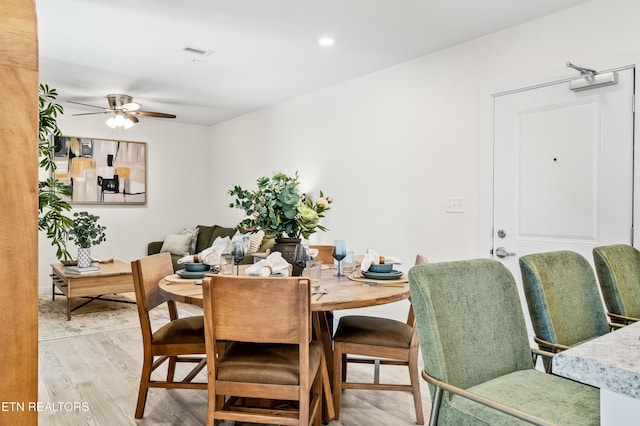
<point>204,237</point>
<point>193,233</point>
<point>255,241</point>
<point>176,244</point>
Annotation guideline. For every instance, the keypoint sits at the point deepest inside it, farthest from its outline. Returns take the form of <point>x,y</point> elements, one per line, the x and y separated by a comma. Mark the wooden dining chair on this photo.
<point>325,253</point>
<point>270,373</point>
<point>179,340</point>
<point>391,342</point>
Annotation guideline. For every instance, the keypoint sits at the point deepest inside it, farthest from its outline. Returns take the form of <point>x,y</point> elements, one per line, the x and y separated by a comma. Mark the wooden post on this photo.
<point>18,212</point>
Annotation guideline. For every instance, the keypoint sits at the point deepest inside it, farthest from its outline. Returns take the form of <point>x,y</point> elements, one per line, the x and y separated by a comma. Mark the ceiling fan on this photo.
<point>123,110</point>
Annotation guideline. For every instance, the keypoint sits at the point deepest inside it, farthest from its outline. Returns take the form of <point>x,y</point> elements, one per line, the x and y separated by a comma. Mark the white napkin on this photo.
<point>272,265</point>
<point>210,255</point>
<point>371,257</point>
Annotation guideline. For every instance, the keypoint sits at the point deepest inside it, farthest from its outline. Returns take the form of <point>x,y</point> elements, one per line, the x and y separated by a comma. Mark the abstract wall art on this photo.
<point>102,171</point>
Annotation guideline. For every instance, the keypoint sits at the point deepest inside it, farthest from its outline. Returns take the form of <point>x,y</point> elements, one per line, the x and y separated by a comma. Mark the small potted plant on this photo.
<point>86,232</point>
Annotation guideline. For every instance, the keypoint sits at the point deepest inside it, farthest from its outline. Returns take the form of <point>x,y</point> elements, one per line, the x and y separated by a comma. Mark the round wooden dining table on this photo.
<point>341,292</point>
<point>336,293</point>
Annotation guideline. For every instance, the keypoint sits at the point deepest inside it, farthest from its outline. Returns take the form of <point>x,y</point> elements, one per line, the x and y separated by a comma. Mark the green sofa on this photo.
<point>206,236</point>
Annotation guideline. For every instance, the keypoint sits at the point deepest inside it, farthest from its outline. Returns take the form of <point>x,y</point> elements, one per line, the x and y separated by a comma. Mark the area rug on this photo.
<point>99,316</point>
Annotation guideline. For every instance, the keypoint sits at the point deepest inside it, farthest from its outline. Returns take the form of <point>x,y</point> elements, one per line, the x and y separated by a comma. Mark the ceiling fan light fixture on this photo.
<point>111,122</point>
<point>119,121</point>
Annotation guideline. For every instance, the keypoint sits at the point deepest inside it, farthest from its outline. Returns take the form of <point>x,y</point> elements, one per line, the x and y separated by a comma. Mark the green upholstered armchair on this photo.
<point>476,352</point>
<point>563,299</point>
<point>618,269</point>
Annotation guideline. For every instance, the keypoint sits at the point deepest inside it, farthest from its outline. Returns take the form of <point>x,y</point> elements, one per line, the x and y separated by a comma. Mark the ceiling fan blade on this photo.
<point>92,113</point>
<point>132,117</point>
<point>155,114</point>
<point>80,103</point>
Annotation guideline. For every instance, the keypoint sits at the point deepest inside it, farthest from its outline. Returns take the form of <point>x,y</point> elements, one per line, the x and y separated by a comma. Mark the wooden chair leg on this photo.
<point>326,389</point>
<point>318,393</point>
<point>145,377</point>
<point>303,408</point>
<point>337,377</point>
<point>415,385</point>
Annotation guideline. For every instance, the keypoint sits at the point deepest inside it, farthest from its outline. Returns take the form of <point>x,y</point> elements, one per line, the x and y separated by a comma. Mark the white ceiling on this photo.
<point>265,51</point>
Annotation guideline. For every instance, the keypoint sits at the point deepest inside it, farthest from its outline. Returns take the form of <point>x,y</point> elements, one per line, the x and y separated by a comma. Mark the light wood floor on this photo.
<point>100,373</point>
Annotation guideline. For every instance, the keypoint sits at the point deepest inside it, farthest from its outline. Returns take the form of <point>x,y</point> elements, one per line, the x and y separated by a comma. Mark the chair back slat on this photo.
<point>147,273</point>
<point>325,253</point>
<point>258,309</point>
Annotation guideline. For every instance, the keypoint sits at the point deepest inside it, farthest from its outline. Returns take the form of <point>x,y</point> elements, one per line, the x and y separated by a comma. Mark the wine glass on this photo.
<point>300,257</point>
<point>238,252</point>
<point>339,252</point>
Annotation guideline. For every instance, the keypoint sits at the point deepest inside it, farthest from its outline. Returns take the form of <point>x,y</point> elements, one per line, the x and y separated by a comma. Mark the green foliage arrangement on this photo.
<point>86,231</point>
<point>279,208</point>
<point>51,204</point>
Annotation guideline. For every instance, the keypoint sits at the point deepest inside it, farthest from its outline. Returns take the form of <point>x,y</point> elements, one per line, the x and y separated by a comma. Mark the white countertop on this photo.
<point>610,362</point>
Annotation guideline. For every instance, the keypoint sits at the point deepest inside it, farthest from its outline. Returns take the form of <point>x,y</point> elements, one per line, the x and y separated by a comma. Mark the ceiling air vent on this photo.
<point>196,50</point>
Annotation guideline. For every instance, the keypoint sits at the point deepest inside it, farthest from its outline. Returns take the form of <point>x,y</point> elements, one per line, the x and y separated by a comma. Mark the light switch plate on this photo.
<point>454,205</point>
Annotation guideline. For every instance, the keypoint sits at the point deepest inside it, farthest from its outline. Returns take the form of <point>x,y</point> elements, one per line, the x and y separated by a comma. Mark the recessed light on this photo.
<point>326,41</point>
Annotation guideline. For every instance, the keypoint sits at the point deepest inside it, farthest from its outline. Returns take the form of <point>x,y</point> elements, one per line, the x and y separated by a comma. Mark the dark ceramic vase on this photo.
<point>287,246</point>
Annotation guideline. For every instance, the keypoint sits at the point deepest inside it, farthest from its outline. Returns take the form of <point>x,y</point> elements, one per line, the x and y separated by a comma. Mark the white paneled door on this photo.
<point>563,169</point>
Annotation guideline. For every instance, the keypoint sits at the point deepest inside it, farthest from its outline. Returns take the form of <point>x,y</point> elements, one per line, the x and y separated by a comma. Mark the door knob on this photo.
<point>502,252</point>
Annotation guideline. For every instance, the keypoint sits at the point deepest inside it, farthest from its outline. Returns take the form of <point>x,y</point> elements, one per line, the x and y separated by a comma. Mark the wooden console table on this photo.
<point>114,277</point>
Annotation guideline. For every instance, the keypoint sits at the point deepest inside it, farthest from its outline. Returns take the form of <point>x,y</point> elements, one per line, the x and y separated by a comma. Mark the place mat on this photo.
<point>400,282</point>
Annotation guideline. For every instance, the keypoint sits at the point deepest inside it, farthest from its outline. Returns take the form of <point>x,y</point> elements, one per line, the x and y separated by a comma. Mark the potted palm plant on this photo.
<point>86,232</point>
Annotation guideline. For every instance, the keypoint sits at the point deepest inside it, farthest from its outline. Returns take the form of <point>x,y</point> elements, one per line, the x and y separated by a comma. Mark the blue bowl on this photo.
<point>384,267</point>
<point>196,267</point>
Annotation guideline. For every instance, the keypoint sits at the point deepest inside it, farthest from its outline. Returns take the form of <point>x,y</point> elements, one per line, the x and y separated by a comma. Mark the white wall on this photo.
<point>177,182</point>
<point>389,146</point>
<point>392,145</point>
